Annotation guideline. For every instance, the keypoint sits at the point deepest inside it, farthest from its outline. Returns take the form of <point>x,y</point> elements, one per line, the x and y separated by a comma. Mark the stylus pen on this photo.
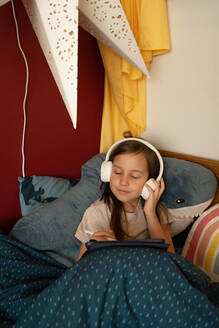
<point>88,232</point>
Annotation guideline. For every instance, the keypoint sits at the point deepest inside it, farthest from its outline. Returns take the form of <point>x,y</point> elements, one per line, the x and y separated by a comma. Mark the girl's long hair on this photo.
<point>115,205</point>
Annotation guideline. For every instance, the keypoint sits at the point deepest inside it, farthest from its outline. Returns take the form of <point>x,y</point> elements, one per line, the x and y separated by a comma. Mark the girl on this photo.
<point>122,213</point>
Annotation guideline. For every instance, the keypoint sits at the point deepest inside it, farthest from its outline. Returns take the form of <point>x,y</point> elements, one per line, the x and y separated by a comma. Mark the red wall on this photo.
<point>52,146</point>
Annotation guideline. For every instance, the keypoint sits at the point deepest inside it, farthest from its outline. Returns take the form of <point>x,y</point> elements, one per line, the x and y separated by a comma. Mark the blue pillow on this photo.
<point>37,190</point>
<point>53,225</point>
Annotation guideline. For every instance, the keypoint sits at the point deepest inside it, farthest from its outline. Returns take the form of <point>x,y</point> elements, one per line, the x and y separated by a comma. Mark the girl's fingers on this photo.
<point>103,235</point>
<point>159,188</point>
<point>103,238</point>
<point>162,185</point>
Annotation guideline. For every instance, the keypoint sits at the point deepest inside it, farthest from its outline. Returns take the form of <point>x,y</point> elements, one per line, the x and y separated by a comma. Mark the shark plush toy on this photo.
<point>190,188</point>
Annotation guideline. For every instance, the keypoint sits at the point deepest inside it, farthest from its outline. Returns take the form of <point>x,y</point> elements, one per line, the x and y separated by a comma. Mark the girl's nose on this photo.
<point>124,180</point>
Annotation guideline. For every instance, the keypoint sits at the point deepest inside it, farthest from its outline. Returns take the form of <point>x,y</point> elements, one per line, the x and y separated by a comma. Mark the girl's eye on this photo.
<point>135,177</point>
<point>117,172</point>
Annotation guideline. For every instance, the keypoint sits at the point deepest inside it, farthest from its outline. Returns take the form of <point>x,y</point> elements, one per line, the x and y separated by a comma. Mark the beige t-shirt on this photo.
<point>97,218</point>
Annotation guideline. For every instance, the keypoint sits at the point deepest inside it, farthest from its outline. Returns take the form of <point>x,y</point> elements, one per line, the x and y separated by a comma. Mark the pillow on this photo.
<point>35,190</point>
<point>202,244</point>
<point>52,226</point>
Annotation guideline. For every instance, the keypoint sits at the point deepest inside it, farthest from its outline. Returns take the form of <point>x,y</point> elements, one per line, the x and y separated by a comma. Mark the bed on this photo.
<point>112,287</point>
<point>40,283</point>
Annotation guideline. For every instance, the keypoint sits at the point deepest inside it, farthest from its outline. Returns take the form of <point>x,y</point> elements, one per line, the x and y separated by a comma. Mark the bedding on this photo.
<point>37,190</point>
<point>51,227</point>
<point>117,287</point>
<point>42,286</point>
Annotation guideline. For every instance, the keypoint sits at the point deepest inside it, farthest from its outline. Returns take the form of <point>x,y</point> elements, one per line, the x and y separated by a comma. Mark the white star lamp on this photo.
<point>107,22</point>
<point>55,23</point>
<point>2,2</point>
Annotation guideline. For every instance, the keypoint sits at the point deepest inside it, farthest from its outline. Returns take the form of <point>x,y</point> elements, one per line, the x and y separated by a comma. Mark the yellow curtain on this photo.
<point>124,106</point>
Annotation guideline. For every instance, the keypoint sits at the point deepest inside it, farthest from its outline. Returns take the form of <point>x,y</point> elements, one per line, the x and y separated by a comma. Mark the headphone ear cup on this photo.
<point>145,192</point>
<point>105,171</point>
<point>151,184</point>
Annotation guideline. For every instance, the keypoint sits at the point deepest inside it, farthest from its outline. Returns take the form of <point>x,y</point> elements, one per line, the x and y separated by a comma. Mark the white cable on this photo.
<point>26,88</point>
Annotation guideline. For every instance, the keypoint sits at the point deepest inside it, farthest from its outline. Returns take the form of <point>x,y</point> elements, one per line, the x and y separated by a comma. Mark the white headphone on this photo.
<point>106,167</point>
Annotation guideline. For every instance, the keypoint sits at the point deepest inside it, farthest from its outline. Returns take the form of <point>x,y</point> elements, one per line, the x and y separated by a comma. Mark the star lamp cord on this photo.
<point>26,88</point>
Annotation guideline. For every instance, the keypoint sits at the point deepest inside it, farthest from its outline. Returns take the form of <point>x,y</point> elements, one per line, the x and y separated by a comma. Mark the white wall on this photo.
<point>183,92</point>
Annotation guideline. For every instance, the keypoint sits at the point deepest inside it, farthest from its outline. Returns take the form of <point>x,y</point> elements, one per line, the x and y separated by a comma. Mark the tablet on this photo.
<point>151,243</point>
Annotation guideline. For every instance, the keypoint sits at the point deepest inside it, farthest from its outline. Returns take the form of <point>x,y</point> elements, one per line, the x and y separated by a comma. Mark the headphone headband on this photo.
<point>146,143</point>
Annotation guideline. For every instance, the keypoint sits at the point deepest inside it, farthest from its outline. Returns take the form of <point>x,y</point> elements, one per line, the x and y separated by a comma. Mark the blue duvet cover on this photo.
<point>113,287</point>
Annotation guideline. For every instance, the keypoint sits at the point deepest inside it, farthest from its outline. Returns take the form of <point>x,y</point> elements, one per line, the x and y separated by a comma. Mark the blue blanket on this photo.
<point>113,287</point>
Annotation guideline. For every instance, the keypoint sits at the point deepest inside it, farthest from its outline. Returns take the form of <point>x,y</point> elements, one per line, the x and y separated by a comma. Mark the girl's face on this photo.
<point>129,175</point>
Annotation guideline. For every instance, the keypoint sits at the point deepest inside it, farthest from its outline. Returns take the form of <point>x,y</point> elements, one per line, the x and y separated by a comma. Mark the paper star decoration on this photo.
<point>55,23</point>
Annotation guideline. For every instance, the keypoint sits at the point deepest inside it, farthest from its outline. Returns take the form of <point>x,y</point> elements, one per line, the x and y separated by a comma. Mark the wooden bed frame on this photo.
<point>213,165</point>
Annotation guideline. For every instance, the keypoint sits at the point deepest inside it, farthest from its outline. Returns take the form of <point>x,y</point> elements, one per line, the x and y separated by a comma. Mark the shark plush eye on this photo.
<point>180,201</point>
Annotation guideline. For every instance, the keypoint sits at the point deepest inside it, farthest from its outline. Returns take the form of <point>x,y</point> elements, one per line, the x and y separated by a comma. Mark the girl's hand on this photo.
<point>103,235</point>
<point>154,196</point>
<point>99,236</point>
